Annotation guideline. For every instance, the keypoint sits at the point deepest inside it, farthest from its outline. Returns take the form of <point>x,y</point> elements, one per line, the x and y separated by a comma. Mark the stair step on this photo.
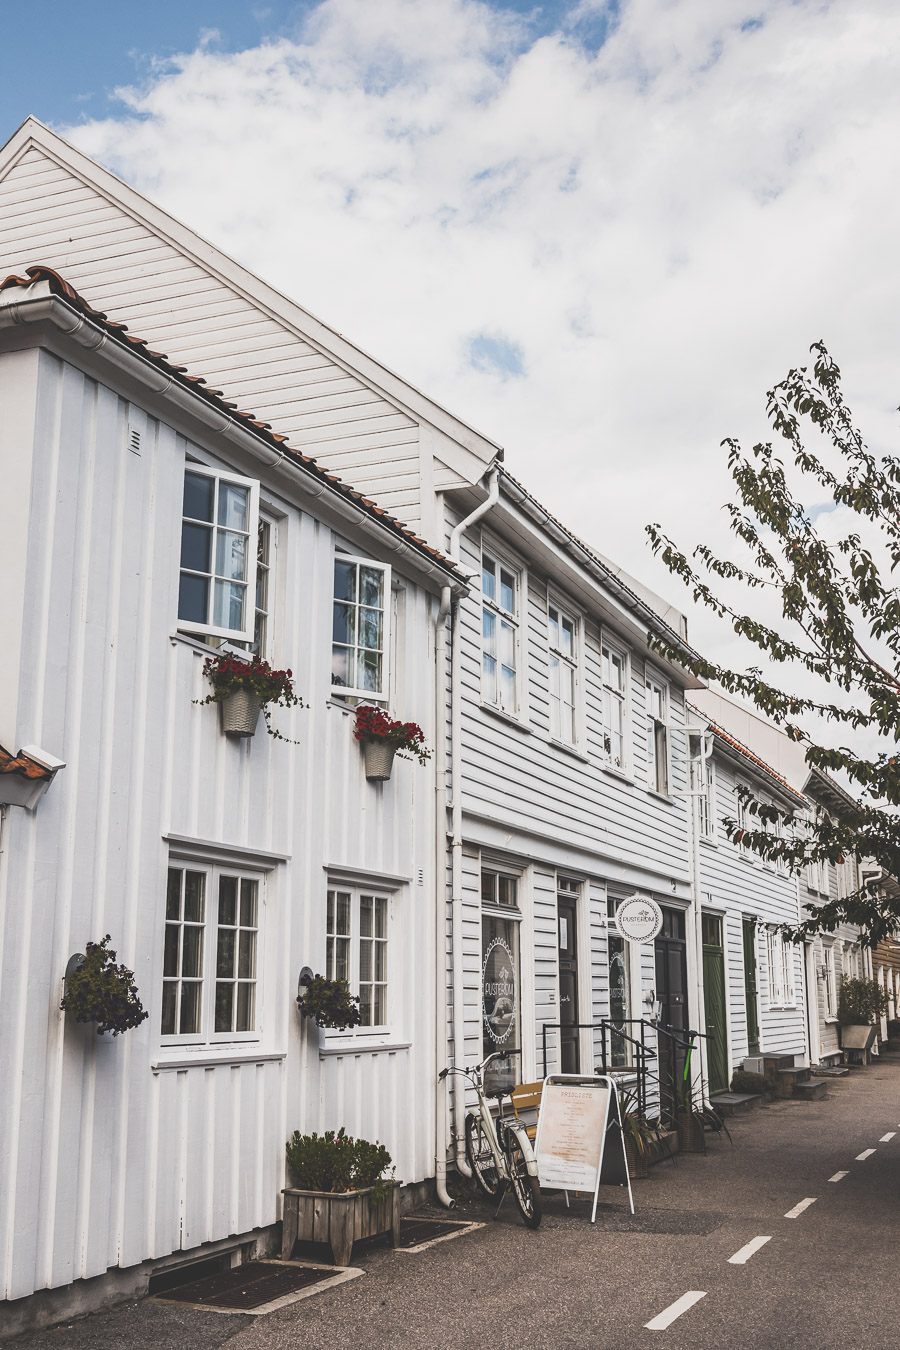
<point>778,1061</point>
<point>733,1103</point>
<point>798,1073</point>
<point>813,1090</point>
<point>789,1080</point>
<point>832,1071</point>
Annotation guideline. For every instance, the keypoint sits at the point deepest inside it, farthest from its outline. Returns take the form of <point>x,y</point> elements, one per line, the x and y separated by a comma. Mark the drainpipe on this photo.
<point>442,1102</point>
<point>695,947</point>
<point>456,886</point>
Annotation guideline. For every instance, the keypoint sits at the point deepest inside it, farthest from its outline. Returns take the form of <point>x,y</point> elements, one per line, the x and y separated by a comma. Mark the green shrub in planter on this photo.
<point>102,992</point>
<point>861,1002</point>
<point>335,1162</point>
<point>742,1081</point>
<point>330,1004</point>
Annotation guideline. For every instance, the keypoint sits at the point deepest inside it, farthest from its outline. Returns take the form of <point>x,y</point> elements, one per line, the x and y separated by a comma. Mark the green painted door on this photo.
<point>714,1003</point>
<point>750,987</point>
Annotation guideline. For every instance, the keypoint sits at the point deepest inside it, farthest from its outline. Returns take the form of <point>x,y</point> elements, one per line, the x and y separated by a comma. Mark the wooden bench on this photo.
<point>526,1104</point>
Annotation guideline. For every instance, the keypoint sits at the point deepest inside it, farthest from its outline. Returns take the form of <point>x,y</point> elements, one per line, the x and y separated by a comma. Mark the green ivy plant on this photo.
<point>337,1163</point>
<point>102,992</point>
<point>330,1004</point>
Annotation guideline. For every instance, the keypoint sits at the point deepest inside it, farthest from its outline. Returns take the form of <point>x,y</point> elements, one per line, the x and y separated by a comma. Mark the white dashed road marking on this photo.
<point>886,1138</point>
<point>839,1176</point>
<point>866,1153</point>
<point>667,1317</point>
<point>798,1209</point>
<point>743,1256</point>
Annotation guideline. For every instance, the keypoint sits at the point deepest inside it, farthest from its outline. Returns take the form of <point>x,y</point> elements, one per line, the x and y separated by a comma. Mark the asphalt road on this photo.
<point>824,1278</point>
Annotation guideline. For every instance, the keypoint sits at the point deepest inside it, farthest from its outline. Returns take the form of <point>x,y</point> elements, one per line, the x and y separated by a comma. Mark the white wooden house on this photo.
<point>120,1155</point>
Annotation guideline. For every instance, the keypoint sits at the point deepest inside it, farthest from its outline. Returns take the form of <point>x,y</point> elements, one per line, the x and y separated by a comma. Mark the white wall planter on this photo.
<point>239,712</point>
<point>379,758</point>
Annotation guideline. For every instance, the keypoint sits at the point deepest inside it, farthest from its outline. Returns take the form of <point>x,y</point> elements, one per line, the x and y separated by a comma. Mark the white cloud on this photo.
<point>656,229</point>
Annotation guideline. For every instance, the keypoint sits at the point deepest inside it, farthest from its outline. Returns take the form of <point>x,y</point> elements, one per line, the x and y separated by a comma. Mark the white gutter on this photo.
<point>442,1097</point>
<point>456,886</point>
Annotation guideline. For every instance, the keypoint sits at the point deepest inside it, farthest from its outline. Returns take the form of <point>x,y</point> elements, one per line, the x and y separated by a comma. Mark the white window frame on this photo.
<point>702,783</point>
<point>379,1031</point>
<point>654,682</point>
<point>212,872</point>
<point>513,620</point>
<point>830,991</point>
<point>622,697</point>
<point>345,691</point>
<point>743,821</point>
<point>246,633</point>
<point>267,530</point>
<point>573,663</point>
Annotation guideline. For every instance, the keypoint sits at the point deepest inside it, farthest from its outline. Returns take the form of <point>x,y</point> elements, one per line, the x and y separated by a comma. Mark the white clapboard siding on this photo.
<point>171,288</point>
<point>112,1151</point>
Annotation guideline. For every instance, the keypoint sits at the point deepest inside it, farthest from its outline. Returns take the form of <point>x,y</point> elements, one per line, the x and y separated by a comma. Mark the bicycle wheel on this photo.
<point>481,1157</point>
<point>525,1187</point>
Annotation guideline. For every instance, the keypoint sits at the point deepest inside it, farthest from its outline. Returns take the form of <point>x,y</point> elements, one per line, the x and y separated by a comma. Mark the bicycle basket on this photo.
<point>500,1076</point>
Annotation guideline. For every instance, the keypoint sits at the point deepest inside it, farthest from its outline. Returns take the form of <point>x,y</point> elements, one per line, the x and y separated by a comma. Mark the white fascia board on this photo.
<point>266,298</point>
<point>37,306</point>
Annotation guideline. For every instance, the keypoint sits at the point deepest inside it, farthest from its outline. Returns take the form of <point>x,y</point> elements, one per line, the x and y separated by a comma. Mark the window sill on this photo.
<point>708,842</point>
<point>362,1047</point>
<point>197,643</point>
<point>505,717</point>
<point>210,1059</point>
<point>661,797</point>
<point>621,775</point>
<point>569,750</point>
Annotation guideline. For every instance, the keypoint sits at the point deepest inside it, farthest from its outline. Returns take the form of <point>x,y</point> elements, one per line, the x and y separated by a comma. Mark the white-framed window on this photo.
<point>743,819</point>
<point>501,984</point>
<point>500,586</point>
<point>657,735</point>
<point>702,785</point>
<point>210,961</point>
<point>265,557</point>
<point>830,982</point>
<point>845,874</point>
<point>356,949</point>
<point>614,674</point>
<point>361,628</point>
<point>217,578</point>
<point>562,639</point>
<point>781,970</point>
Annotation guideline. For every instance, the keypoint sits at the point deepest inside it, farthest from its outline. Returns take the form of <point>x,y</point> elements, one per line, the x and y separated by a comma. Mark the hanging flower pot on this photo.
<point>379,757</point>
<point>244,688</point>
<point>382,737</point>
<point>239,712</point>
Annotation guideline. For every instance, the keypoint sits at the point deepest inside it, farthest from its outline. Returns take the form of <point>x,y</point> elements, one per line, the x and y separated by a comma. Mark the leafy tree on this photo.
<point>841,625</point>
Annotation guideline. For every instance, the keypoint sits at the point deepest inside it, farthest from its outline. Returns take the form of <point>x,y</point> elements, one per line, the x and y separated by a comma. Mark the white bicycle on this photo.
<point>498,1149</point>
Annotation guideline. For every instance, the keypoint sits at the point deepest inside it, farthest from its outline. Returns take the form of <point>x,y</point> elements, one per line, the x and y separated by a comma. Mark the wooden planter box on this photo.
<point>339,1220</point>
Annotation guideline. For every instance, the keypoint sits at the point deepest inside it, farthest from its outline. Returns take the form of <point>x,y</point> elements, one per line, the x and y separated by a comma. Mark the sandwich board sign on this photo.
<point>580,1145</point>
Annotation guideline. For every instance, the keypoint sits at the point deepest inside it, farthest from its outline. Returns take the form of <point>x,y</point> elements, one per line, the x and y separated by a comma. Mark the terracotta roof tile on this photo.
<point>23,765</point>
<point>59,286</point>
<point>747,754</point>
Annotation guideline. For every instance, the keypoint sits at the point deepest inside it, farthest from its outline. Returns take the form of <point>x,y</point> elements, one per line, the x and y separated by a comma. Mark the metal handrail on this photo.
<point>643,1052</point>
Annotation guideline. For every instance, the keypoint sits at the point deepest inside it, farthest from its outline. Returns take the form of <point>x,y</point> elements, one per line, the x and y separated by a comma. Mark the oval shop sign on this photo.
<point>639,919</point>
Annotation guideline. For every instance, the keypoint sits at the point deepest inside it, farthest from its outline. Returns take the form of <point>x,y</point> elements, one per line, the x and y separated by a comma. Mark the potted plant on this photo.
<point>244,688</point>
<point>97,990</point>
<point>329,1003</point>
<point>860,1004</point>
<point>382,737</point>
<point>339,1193</point>
<point>688,1121</point>
<point>638,1135</point>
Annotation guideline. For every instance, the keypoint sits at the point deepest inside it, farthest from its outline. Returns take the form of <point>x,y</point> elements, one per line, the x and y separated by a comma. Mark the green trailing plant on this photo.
<point>229,674</point>
<point>330,1004</point>
<point>102,992</point>
<point>336,1163</point>
<point>861,1002</point>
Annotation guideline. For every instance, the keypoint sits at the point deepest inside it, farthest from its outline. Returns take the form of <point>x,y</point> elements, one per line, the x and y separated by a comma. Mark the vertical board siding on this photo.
<point>50,216</point>
<point>108,1157</point>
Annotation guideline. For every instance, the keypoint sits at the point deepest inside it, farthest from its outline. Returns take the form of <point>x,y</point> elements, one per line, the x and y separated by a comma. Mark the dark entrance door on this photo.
<point>714,1003</point>
<point>671,991</point>
<point>568,984</point>
<point>750,987</point>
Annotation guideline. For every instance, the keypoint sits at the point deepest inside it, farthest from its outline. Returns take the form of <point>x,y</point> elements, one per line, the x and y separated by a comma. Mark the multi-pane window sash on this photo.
<point>701,787</point>
<point>563,674</point>
<point>614,684</point>
<point>830,983</point>
<point>781,970</point>
<point>210,955</point>
<point>498,888</point>
<point>218,564</point>
<point>356,949</point>
<point>263,583</point>
<point>657,737</point>
<point>499,622</point>
<point>360,626</point>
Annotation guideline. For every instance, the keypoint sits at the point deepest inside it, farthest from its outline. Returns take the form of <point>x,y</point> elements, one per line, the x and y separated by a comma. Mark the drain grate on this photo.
<point>413,1232</point>
<point>246,1287</point>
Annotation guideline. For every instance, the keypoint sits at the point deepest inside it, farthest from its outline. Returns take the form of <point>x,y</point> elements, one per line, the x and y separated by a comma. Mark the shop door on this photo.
<point>671,991</point>
<point>568,986</point>
<point>750,987</point>
<point>714,1003</point>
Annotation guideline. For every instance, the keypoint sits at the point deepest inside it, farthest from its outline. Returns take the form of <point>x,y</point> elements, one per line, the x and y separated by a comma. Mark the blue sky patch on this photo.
<point>496,356</point>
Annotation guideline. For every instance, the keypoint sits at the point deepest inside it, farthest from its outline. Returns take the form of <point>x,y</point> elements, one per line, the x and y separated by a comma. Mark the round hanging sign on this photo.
<point>498,991</point>
<point>639,919</point>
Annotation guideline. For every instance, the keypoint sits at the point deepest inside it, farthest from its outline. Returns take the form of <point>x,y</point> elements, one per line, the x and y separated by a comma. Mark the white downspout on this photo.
<point>456,887</point>
<point>695,947</point>
<point>442,1102</point>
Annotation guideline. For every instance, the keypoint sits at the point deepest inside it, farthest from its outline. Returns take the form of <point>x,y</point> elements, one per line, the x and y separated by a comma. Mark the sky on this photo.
<point>597,230</point>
